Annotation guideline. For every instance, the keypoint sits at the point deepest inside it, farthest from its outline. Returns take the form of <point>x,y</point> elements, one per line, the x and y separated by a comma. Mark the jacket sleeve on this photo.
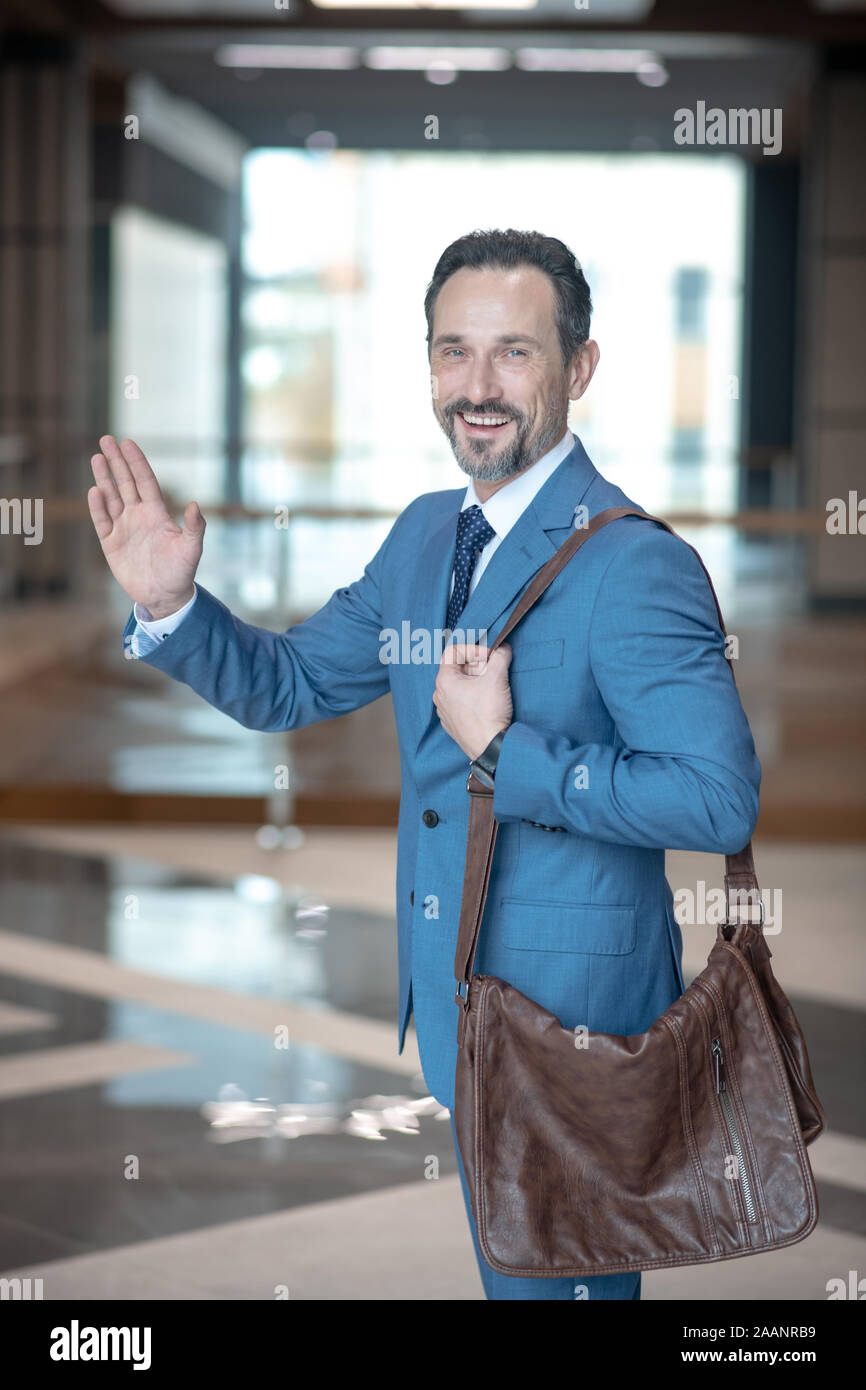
<point>684,774</point>
<point>315,670</point>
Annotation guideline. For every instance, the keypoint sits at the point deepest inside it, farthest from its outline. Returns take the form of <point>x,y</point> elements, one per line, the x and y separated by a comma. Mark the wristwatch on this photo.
<point>484,766</point>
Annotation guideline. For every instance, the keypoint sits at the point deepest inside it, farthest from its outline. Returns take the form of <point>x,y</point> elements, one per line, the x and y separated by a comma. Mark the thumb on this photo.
<point>193,521</point>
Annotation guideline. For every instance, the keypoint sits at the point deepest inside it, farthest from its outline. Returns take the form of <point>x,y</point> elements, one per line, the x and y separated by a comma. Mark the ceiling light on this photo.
<point>585,59</point>
<point>443,59</point>
<point>652,74</point>
<point>426,4</point>
<point>283,55</point>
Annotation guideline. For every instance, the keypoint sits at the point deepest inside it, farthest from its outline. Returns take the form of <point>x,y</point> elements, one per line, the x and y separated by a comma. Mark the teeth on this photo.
<point>486,419</point>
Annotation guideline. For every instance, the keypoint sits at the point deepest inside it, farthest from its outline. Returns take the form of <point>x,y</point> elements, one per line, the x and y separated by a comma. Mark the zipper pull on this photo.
<point>718,1063</point>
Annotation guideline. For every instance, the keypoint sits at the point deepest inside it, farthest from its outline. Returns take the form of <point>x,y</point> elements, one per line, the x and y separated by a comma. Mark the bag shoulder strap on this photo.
<point>740,876</point>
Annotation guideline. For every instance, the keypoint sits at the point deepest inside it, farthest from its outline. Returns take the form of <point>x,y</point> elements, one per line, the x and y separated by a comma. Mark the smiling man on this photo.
<point>497,364</point>
<point>609,728</point>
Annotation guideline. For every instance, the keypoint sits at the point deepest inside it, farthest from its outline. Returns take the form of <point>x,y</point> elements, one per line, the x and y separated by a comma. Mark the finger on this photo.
<point>506,654</point>
<point>107,486</point>
<point>120,470</point>
<point>99,513</point>
<point>142,473</point>
<point>447,675</point>
<point>477,661</point>
<point>459,653</point>
<point>476,652</point>
<point>193,521</point>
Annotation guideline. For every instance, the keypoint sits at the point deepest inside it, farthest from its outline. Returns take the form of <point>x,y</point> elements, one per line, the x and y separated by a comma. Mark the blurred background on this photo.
<point>217,223</point>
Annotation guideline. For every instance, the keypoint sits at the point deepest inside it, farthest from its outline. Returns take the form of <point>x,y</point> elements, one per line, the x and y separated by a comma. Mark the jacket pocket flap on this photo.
<point>584,928</point>
<point>535,656</point>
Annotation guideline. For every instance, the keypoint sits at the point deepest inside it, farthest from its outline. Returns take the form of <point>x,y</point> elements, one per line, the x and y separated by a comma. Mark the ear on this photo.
<point>583,365</point>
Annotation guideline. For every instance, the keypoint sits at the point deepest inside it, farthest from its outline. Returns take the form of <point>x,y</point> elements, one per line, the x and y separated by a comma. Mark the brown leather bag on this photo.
<point>682,1145</point>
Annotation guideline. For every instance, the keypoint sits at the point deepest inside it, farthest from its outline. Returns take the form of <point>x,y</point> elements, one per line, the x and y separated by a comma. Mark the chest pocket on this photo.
<point>535,656</point>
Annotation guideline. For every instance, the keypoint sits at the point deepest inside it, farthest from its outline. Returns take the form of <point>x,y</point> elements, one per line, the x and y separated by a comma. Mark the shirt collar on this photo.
<point>509,502</point>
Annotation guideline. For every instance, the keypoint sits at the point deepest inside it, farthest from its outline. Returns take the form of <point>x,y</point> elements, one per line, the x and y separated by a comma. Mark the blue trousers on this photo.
<point>505,1286</point>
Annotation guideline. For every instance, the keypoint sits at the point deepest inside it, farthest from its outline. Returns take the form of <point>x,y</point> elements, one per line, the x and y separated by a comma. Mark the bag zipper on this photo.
<point>733,1128</point>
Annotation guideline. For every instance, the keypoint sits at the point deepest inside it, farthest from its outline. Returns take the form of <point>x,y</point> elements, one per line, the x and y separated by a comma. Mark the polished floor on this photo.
<point>200,1094</point>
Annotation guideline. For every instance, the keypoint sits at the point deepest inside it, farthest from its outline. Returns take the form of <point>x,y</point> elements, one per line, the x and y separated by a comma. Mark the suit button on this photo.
<point>430,818</point>
<point>412,897</point>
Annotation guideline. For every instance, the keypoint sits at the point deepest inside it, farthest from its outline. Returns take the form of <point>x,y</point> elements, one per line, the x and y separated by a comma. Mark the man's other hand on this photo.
<point>472,694</point>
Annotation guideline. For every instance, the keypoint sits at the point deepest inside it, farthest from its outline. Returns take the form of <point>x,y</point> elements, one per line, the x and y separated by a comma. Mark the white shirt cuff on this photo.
<point>159,628</point>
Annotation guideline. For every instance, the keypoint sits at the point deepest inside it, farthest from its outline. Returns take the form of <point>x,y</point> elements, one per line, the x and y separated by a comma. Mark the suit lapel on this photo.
<point>526,547</point>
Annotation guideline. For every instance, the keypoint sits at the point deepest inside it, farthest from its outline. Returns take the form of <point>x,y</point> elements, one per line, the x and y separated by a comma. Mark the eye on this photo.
<point>521,351</point>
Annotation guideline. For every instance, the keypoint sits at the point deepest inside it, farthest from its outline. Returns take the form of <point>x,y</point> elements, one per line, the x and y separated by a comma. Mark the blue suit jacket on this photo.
<point>628,738</point>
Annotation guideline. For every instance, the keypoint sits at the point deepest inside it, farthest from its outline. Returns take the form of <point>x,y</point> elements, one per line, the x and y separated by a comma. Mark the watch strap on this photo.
<point>488,759</point>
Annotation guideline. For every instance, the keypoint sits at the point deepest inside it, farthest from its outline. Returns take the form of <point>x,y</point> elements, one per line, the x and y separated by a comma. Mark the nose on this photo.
<point>481,384</point>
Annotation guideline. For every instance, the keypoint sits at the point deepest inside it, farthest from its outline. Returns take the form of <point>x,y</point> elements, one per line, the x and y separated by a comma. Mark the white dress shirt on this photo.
<point>509,503</point>
<point>501,511</point>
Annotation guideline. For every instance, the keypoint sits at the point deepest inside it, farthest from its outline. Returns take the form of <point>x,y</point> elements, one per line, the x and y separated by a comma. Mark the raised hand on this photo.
<point>150,556</point>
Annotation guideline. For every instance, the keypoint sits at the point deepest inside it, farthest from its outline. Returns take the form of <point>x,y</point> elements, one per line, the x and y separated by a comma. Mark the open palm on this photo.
<point>150,555</point>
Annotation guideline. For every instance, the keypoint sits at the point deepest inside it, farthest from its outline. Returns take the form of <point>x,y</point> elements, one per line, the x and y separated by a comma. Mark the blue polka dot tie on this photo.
<point>473,533</point>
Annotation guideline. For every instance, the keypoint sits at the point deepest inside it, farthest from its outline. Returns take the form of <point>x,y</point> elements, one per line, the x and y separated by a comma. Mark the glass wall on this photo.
<point>168,350</point>
<point>338,249</point>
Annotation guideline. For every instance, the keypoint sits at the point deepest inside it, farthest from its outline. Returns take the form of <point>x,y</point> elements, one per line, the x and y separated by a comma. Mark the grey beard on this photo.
<point>493,470</point>
<point>515,458</point>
